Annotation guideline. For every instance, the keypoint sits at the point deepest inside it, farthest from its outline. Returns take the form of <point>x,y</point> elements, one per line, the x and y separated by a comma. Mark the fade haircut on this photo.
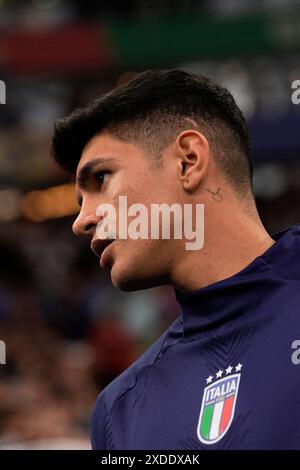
<point>151,110</point>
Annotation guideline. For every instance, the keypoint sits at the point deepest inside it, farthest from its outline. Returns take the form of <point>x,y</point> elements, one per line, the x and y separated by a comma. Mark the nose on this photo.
<point>85,224</point>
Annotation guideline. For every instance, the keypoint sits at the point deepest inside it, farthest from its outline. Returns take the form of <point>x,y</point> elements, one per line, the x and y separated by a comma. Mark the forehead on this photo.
<point>105,145</point>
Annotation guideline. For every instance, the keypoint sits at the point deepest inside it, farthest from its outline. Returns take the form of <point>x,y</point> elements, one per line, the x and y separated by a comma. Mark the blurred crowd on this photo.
<point>68,333</point>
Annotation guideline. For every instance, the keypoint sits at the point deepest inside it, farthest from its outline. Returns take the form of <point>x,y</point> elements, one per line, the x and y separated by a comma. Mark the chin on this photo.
<point>128,280</point>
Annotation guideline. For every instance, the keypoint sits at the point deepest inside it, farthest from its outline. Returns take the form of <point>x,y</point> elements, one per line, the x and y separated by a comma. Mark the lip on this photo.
<point>100,248</point>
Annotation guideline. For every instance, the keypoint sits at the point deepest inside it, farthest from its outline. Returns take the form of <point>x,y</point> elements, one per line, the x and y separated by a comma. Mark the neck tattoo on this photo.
<point>216,195</point>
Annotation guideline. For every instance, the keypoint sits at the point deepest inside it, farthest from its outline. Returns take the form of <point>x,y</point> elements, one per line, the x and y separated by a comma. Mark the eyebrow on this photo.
<point>85,173</point>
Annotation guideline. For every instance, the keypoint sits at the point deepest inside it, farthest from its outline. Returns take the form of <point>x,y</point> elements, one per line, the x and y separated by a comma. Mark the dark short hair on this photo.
<point>151,109</point>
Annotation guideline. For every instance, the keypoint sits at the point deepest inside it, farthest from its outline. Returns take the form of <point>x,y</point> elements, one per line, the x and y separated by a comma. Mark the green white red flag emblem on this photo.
<point>218,405</point>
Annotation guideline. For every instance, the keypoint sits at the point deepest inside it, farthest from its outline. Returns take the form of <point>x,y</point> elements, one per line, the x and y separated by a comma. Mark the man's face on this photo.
<point>110,168</point>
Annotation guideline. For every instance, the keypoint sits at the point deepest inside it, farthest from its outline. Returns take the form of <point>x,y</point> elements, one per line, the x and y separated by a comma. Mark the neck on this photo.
<point>231,242</point>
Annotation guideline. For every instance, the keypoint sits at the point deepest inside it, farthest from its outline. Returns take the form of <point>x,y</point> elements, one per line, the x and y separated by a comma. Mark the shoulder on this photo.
<point>120,385</point>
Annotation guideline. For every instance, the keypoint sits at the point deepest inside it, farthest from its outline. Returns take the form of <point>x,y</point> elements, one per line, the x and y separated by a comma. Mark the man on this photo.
<point>223,375</point>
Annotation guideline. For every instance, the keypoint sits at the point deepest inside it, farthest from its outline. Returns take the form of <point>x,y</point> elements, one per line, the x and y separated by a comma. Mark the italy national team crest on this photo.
<point>218,404</point>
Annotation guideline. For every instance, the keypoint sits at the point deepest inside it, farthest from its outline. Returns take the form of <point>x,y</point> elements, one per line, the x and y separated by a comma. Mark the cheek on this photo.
<point>140,187</point>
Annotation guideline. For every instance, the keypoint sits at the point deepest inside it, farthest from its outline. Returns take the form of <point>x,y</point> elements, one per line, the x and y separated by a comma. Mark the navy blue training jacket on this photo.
<point>224,375</point>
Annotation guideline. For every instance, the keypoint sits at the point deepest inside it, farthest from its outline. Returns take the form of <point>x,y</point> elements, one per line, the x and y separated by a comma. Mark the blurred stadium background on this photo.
<point>67,331</point>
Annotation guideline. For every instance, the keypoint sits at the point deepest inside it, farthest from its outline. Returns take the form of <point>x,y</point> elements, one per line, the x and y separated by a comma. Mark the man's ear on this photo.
<point>192,153</point>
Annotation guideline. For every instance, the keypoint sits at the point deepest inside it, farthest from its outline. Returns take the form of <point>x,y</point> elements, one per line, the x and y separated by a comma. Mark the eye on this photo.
<point>100,177</point>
